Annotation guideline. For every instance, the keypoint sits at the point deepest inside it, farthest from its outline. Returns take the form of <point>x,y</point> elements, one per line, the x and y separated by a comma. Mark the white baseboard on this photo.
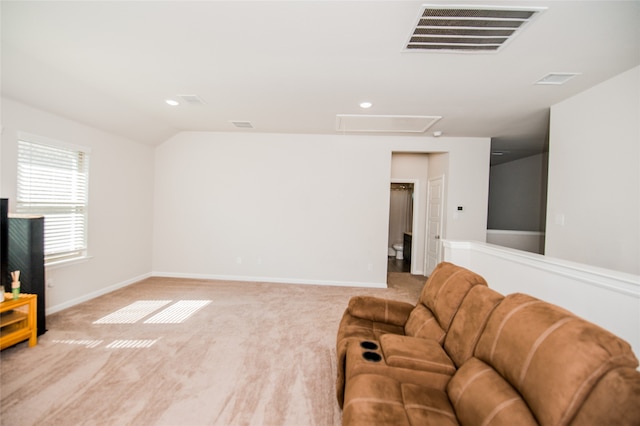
<point>268,279</point>
<point>103,291</point>
<point>94,294</point>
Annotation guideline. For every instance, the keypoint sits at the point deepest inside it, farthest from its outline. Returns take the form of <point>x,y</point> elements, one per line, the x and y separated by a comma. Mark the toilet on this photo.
<point>399,250</point>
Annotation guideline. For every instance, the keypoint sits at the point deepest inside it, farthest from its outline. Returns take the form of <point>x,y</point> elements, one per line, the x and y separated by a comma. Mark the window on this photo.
<point>53,181</point>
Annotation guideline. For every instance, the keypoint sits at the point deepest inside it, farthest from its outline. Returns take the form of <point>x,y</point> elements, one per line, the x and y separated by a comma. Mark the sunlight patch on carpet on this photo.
<point>178,312</point>
<point>87,343</point>
<point>133,313</point>
<point>119,344</point>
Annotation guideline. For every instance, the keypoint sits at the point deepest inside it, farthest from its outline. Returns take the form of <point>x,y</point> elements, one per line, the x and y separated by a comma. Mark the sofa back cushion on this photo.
<point>469,322</point>
<point>604,407</point>
<point>422,323</point>
<point>550,356</point>
<point>481,396</point>
<point>441,296</point>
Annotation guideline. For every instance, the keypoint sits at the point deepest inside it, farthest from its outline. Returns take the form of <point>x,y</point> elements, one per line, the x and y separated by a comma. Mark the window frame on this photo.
<point>72,214</point>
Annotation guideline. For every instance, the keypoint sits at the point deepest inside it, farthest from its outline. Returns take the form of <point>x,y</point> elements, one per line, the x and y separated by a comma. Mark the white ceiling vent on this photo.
<point>191,99</point>
<point>557,78</point>
<point>467,29</point>
<point>384,123</point>
<point>242,124</point>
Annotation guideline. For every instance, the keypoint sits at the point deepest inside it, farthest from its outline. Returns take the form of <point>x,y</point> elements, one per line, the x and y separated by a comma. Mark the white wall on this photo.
<point>593,214</point>
<point>294,208</point>
<point>120,203</point>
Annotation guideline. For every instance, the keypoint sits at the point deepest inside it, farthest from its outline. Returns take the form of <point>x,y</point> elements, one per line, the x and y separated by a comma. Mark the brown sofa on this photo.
<point>465,354</point>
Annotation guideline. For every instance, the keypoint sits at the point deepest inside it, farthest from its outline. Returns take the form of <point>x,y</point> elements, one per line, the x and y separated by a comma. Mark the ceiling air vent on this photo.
<point>242,124</point>
<point>557,78</point>
<point>467,29</point>
<point>192,99</point>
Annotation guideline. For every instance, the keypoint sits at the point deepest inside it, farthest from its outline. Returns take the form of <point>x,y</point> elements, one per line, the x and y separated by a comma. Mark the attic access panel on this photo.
<point>385,123</point>
<point>465,29</point>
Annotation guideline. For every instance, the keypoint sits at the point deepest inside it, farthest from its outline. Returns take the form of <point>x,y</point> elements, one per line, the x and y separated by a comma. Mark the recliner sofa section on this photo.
<point>369,318</point>
<point>502,361</point>
<point>426,361</point>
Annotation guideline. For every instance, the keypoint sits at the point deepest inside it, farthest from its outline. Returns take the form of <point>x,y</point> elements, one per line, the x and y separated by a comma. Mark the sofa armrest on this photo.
<point>380,310</point>
<point>415,353</point>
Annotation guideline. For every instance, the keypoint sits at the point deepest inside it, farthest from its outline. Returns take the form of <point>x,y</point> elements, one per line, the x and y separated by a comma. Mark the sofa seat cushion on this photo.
<point>480,396</point>
<point>427,406</point>
<point>372,399</point>
<point>416,354</point>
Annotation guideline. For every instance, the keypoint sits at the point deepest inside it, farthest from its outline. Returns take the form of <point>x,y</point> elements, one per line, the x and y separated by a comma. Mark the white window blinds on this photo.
<point>54,181</point>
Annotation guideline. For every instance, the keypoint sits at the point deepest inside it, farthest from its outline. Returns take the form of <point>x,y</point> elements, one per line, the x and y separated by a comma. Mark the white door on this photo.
<point>435,205</point>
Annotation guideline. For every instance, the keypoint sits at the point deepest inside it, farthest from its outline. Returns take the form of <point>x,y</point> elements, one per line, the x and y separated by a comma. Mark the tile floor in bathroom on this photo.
<point>398,265</point>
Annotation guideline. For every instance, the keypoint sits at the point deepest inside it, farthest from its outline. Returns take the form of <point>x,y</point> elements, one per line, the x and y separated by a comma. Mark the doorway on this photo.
<point>401,214</point>
<point>409,234</point>
<point>419,168</point>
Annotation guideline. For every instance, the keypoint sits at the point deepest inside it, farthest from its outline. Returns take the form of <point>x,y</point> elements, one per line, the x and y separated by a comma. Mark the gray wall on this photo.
<point>518,193</point>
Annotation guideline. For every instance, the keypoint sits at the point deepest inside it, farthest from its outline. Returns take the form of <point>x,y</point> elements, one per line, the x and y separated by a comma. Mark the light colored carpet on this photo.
<point>257,354</point>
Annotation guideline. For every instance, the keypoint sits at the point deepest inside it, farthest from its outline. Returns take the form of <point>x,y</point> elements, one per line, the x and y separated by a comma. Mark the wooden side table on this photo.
<point>18,320</point>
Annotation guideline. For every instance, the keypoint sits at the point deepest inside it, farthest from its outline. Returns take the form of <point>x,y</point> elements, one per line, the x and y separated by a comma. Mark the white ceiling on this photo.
<point>293,66</point>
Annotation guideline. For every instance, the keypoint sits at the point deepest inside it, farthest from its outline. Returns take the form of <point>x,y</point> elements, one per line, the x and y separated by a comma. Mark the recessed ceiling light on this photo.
<point>172,102</point>
<point>366,105</point>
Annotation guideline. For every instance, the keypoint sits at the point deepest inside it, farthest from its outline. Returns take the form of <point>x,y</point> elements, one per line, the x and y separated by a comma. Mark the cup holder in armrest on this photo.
<point>372,356</point>
<point>369,345</point>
